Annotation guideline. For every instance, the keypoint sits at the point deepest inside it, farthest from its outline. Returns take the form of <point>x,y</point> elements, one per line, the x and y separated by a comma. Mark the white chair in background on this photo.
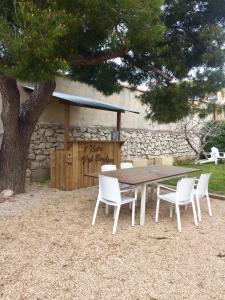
<point>105,168</point>
<point>110,194</point>
<point>215,155</point>
<point>183,195</point>
<point>126,165</point>
<point>201,192</point>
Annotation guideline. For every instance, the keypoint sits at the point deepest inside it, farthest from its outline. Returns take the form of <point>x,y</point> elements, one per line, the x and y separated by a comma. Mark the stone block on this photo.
<point>34,165</point>
<point>49,132</point>
<point>40,157</point>
<point>164,160</point>
<point>34,136</point>
<point>31,156</point>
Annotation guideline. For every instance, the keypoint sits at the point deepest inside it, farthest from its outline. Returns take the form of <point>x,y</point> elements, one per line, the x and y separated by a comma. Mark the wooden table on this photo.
<point>143,176</point>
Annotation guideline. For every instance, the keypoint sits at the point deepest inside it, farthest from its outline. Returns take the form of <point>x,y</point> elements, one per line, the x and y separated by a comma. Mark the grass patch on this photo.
<point>44,179</point>
<point>217,180</point>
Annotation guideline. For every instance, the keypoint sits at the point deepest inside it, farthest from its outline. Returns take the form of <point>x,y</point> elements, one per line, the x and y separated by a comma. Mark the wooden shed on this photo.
<point>69,165</point>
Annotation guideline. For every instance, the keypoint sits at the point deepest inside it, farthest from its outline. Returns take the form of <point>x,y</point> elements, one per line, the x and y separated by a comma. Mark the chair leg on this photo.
<point>107,209</point>
<point>95,211</point>
<point>116,219</point>
<point>136,195</point>
<point>171,210</point>
<point>194,213</point>
<point>133,213</point>
<point>157,209</point>
<point>114,212</point>
<point>198,208</point>
<point>209,205</point>
<point>152,191</point>
<point>178,218</point>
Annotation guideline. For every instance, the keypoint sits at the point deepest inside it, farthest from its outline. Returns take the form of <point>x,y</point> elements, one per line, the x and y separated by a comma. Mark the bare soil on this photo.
<point>49,250</point>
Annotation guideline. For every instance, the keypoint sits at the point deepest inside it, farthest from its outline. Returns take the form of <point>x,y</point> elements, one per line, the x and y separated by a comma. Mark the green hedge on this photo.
<point>217,141</point>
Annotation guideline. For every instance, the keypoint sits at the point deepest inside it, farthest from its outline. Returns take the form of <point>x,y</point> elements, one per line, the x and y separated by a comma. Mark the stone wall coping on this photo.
<point>61,125</point>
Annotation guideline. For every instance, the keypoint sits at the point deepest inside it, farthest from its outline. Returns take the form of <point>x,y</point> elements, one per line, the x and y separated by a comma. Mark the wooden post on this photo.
<point>66,125</point>
<point>118,124</point>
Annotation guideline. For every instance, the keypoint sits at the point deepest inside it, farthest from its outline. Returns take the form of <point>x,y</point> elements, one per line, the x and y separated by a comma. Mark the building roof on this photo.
<point>87,102</point>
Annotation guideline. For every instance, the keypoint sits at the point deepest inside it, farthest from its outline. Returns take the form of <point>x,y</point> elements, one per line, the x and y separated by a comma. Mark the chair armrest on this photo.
<point>165,187</point>
<point>131,187</point>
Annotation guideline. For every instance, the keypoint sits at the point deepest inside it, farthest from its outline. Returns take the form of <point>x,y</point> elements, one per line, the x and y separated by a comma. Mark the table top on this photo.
<point>140,175</point>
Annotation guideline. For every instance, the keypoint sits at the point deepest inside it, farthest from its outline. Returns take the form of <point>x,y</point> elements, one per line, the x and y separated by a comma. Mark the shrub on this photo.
<point>217,141</point>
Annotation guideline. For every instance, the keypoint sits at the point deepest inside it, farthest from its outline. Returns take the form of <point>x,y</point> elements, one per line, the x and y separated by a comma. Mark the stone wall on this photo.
<point>138,144</point>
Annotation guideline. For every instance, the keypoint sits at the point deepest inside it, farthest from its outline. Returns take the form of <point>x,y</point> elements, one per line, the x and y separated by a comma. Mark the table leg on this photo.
<point>143,203</point>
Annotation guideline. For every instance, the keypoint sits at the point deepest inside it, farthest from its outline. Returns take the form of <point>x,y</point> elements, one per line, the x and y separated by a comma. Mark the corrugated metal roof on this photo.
<point>87,102</point>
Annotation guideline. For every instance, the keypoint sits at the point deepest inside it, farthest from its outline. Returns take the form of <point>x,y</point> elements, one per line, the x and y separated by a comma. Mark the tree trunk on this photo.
<point>19,121</point>
<point>13,161</point>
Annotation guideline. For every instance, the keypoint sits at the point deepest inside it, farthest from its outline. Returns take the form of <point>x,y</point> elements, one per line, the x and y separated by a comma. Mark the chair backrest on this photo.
<point>185,188</point>
<point>202,186</point>
<point>140,162</point>
<point>105,168</point>
<point>126,165</point>
<point>215,153</point>
<point>109,188</point>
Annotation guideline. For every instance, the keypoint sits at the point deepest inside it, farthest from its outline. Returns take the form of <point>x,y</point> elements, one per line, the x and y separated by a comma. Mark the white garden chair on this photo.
<point>110,194</point>
<point>216,155</point>
<point>126,165</point>
<point>183,195</point>
<point>123,187</point>
<point>213,156</point>
<point>201,192</point>
<point>105,168</point>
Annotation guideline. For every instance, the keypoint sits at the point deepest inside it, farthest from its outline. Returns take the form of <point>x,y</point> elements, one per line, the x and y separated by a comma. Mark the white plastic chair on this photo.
<point>201,192</point>
<point>105,168</point>
<point>126,165</point>
<point>215,155</point>
<point>123,187</point>
<point>110,194</point>
<point>181,196</point>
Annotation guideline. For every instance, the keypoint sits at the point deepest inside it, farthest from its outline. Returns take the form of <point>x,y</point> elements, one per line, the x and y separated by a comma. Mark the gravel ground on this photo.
<point>49,250</point>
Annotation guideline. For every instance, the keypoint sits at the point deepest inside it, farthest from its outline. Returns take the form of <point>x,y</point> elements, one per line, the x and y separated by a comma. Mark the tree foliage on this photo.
<point>174,47</point>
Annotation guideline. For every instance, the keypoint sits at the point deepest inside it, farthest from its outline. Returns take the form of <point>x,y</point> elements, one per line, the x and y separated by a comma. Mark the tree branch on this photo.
<point>32,108</point>
<point>95,60</point>
<point>149,69</point>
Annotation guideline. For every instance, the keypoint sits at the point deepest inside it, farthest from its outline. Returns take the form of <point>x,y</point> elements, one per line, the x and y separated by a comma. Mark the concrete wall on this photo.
<point>89,117</point>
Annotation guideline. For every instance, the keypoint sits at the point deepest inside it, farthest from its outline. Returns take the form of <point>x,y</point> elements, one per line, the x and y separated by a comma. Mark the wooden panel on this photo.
<point>75,167</point>
<point>92,155</point>
<point>68,175</point>
<point>53,170</point>
<point>145,174</point>
<point>68,167</point>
